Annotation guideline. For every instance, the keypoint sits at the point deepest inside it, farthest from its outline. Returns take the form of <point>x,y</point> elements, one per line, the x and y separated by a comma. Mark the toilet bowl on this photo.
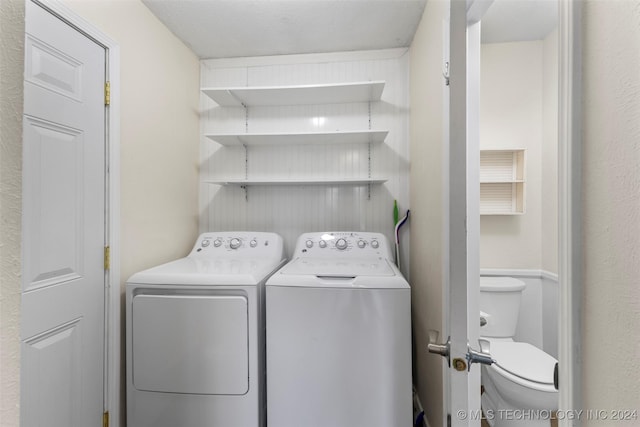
<point>518,388</point>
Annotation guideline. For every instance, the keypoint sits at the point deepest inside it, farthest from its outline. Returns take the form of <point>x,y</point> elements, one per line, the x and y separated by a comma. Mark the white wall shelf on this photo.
<point>296,95</point>
<point>278,182</point>
<point>502,182</point>
<point>306,138</point>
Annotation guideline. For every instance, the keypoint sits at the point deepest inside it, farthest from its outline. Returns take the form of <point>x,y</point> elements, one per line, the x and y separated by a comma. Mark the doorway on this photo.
<point>429,253</point>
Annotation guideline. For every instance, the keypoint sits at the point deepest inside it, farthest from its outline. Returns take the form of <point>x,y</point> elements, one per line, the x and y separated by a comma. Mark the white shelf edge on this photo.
<point>296,95</point>
<point>278,182</point>
<point>501,213</point>
<point>291,138</point>
<point>509,181</point>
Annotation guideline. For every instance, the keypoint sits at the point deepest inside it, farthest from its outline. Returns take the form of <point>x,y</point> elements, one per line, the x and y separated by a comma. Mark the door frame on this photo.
<point>570,206</point>
<point>569,203</point>
<point>112,333</point>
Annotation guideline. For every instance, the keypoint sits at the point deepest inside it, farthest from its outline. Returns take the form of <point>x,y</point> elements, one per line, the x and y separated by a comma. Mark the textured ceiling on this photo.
<point>240,28</point>
<point>519,20</point>
<point>236,28</point>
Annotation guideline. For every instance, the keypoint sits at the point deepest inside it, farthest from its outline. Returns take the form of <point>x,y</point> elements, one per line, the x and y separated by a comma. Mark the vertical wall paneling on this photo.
<point>294,209</point>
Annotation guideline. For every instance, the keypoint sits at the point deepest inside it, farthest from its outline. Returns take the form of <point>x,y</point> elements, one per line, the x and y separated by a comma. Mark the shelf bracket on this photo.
<point>234,96</point>
<point>246,192</point>
<point>246,161</point>
<point>369,172</point>
<point>369,154</point>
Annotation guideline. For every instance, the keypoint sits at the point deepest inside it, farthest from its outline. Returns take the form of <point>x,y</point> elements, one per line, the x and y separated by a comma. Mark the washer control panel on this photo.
<point>246,243</point>
<point>343,243</point>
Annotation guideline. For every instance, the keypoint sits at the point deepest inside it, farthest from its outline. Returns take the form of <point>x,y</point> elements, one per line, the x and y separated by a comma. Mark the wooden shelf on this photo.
<point>502,182</point>
<point>279,182</point>
<point>296,95</point>
<point>347,137</point>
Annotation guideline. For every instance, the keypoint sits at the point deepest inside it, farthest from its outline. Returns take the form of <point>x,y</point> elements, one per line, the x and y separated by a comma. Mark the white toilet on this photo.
<point>519,388</point>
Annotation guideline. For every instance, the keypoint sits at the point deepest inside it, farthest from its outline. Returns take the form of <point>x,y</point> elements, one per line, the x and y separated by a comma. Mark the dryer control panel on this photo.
<point>343,243</point>
<point>247,243</point>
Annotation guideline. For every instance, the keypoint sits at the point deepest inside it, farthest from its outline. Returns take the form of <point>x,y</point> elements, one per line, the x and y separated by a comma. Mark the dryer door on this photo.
<point>195,344</point>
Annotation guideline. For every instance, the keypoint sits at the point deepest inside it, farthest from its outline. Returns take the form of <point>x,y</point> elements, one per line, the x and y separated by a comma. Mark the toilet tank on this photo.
<point>500,305</point>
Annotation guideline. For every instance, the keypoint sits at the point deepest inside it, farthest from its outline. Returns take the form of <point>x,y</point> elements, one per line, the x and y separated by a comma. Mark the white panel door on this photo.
<point>63,277</point>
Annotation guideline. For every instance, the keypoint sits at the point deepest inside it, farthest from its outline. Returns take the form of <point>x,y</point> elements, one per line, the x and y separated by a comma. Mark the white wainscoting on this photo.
<point>538,320</point>
<point>293,210</point>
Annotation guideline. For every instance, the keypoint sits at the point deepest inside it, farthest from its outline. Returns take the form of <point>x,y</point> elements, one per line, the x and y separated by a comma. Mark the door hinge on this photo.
<point>105,419</point>
<point>107,93</point>
<point>107,257</point>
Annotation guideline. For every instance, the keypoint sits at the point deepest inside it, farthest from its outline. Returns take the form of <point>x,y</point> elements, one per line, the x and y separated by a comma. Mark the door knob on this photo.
<point>441,349</point>
<point>483,356</point>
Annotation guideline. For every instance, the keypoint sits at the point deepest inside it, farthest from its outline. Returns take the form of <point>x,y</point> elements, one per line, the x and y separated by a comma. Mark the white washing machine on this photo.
<point>195,334</point>
<point>339,335</point>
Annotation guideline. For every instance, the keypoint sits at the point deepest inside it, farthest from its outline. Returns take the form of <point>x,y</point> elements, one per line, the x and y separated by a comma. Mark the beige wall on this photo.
<point>611,206</point>
<point>511,117</point>
<point>427,127</point>
<point>11,95</point>
<point>549,155</point>
<point>160,81</point>
<point>159,154</point>
<point>518,109</point>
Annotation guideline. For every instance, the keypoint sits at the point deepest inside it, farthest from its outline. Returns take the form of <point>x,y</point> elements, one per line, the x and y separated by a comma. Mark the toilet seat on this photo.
<point>523,364</point>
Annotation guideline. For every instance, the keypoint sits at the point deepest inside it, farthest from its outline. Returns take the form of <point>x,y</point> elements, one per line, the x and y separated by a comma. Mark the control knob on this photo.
<point>234,243</point>
<point>375,244</point>
<point>362,244</point>
<point>309,244</point>
<point>217,243</point>
<point>253,243</point>
<point>323,244</point>
<point>341,244</point>
<point>205,243</point>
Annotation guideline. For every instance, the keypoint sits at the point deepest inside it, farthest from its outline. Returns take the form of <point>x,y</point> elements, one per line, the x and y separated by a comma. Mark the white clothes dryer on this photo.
<point>195,334</point>
<point>339,335</point>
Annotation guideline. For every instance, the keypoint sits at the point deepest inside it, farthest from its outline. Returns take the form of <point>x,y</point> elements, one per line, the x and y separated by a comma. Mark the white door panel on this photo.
<point>52,69</point>
<point>174,353</point>
<point>54,356</point>
<point>62,323</point>
<point>56,181</point>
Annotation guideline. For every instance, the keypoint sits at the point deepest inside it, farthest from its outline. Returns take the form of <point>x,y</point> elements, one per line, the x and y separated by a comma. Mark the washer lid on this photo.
<point>523,360</point>
<point>336,267</point>
<point>207,271</point>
